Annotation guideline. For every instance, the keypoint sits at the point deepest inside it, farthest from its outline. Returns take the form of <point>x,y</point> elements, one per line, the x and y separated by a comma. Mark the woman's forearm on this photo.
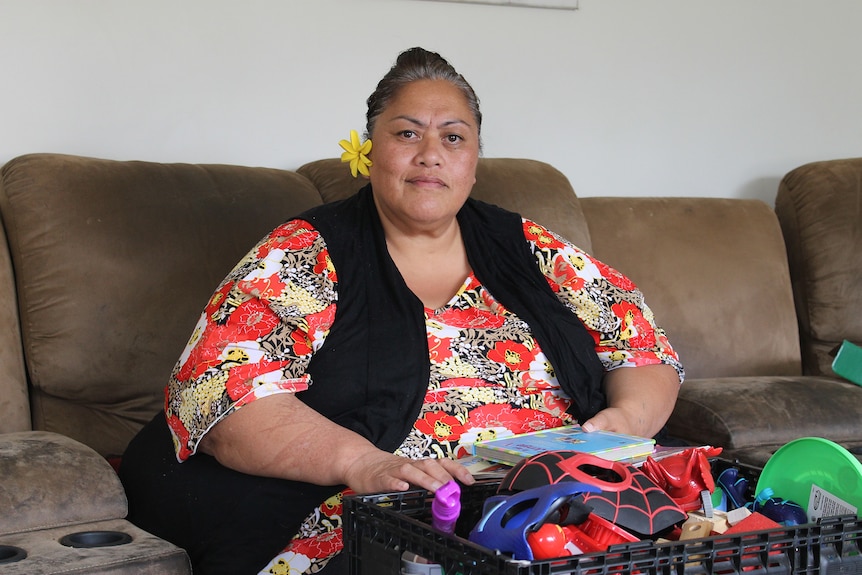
<point>280,436</point>
<point>640,400</point>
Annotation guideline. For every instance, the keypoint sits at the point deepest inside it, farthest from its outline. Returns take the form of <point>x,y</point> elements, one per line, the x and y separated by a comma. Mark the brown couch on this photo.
<point>105,266</point>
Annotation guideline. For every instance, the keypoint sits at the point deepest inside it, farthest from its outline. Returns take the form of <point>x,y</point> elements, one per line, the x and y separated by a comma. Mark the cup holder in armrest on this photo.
<point>11,554</point>
<point>86,539</point>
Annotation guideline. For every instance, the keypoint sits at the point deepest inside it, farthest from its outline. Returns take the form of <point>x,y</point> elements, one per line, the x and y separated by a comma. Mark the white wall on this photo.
<point>626,97</point>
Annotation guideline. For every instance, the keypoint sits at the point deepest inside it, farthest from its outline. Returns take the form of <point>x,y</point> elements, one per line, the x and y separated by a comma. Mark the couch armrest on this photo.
<point>14,399</point>
<point>49,480</point>
<point>819,206</point>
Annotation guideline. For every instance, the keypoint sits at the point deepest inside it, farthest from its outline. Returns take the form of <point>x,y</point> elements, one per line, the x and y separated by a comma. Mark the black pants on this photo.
<point>228,522</point>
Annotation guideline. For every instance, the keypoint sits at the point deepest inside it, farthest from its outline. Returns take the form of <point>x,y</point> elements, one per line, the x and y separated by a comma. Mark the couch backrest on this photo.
<point>820,208</point>
<point>113,263</point>
<point>714,272</point>
<point>531,188</point>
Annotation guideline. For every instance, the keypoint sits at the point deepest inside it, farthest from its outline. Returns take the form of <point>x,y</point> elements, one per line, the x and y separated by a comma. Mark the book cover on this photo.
<point>848,362</point>
<point>606,444</point>
<point>482,468</point>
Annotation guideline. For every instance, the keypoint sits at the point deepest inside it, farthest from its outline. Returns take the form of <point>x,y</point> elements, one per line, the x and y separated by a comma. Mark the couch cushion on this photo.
<point>745,412</point>
<point>534,189</point>
<point>820,209</point>
<point>114,262</point>
<point>714,272</point>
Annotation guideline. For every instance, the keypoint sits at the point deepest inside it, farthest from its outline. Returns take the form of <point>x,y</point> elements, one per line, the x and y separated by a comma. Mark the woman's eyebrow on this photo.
<point>445,124</point>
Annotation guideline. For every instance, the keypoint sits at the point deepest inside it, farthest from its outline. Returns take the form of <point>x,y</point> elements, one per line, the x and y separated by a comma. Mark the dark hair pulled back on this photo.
<point>413,65</point>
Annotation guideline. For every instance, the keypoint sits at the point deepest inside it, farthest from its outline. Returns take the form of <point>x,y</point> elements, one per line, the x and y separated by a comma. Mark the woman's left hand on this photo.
<point>640,400</point>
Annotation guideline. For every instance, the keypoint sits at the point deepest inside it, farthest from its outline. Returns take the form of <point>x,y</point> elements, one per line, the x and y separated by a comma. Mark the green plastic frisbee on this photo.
<point>801,463</point>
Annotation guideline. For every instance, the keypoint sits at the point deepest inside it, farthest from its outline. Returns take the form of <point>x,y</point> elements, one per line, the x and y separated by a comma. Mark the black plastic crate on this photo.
<point>379,528</point>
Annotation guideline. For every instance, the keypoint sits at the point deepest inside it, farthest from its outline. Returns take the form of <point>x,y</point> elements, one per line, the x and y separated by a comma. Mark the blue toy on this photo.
<point>780,510</point>
<point>735,488</point>
<point>507,519</point>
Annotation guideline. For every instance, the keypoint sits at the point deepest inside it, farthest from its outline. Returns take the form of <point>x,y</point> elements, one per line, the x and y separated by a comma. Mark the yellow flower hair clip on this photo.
<point>356,154</point>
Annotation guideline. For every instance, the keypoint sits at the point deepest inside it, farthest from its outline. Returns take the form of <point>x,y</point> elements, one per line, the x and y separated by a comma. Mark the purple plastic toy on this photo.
<point>446,507</point>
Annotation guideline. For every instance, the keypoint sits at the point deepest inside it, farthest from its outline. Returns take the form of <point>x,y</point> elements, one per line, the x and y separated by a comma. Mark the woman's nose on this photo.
<point>429,153</point>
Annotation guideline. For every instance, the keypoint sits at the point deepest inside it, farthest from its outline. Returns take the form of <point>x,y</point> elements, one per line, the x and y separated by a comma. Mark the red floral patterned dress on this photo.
<point>488,375</point>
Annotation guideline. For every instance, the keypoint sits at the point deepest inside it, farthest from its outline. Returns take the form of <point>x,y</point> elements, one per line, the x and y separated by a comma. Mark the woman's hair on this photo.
<point>412,65</point>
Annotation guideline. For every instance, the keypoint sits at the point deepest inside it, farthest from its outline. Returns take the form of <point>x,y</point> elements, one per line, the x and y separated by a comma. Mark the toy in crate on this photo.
<point>511,523</point>
<point>569,512</point>
<point>592,500</point>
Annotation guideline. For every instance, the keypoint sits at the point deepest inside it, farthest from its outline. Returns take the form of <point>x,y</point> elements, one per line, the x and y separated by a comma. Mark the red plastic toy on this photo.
<point>595,534</point>
<point>684,475</point>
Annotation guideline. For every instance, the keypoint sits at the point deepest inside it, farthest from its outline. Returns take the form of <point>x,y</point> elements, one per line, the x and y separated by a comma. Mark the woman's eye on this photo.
<point>408,134</point>
<point>453,138</point>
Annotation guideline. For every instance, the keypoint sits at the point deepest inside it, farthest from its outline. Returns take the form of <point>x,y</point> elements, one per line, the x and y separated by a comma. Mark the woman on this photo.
<point>445,329</point>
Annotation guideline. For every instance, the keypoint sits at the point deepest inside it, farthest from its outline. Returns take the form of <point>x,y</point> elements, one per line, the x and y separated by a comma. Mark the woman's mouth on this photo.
<point>427,182</point>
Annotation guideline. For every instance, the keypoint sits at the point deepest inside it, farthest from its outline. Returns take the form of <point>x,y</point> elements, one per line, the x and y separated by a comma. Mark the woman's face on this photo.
<point>425,150</point>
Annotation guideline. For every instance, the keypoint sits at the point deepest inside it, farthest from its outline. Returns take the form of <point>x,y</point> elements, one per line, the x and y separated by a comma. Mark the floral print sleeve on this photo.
<point>607,302</point>
<point>256,335</point>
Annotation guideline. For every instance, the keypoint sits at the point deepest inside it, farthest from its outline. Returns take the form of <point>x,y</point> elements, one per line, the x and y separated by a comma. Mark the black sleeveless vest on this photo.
<point>373,370</point>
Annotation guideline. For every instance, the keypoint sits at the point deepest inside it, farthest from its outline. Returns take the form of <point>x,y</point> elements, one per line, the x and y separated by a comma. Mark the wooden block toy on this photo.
<point>718,519</point>
<point>734,516</point>
<point>695,529</point>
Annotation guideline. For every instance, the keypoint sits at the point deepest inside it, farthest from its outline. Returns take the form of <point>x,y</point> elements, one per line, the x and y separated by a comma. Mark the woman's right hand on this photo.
<point>378,471</point>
